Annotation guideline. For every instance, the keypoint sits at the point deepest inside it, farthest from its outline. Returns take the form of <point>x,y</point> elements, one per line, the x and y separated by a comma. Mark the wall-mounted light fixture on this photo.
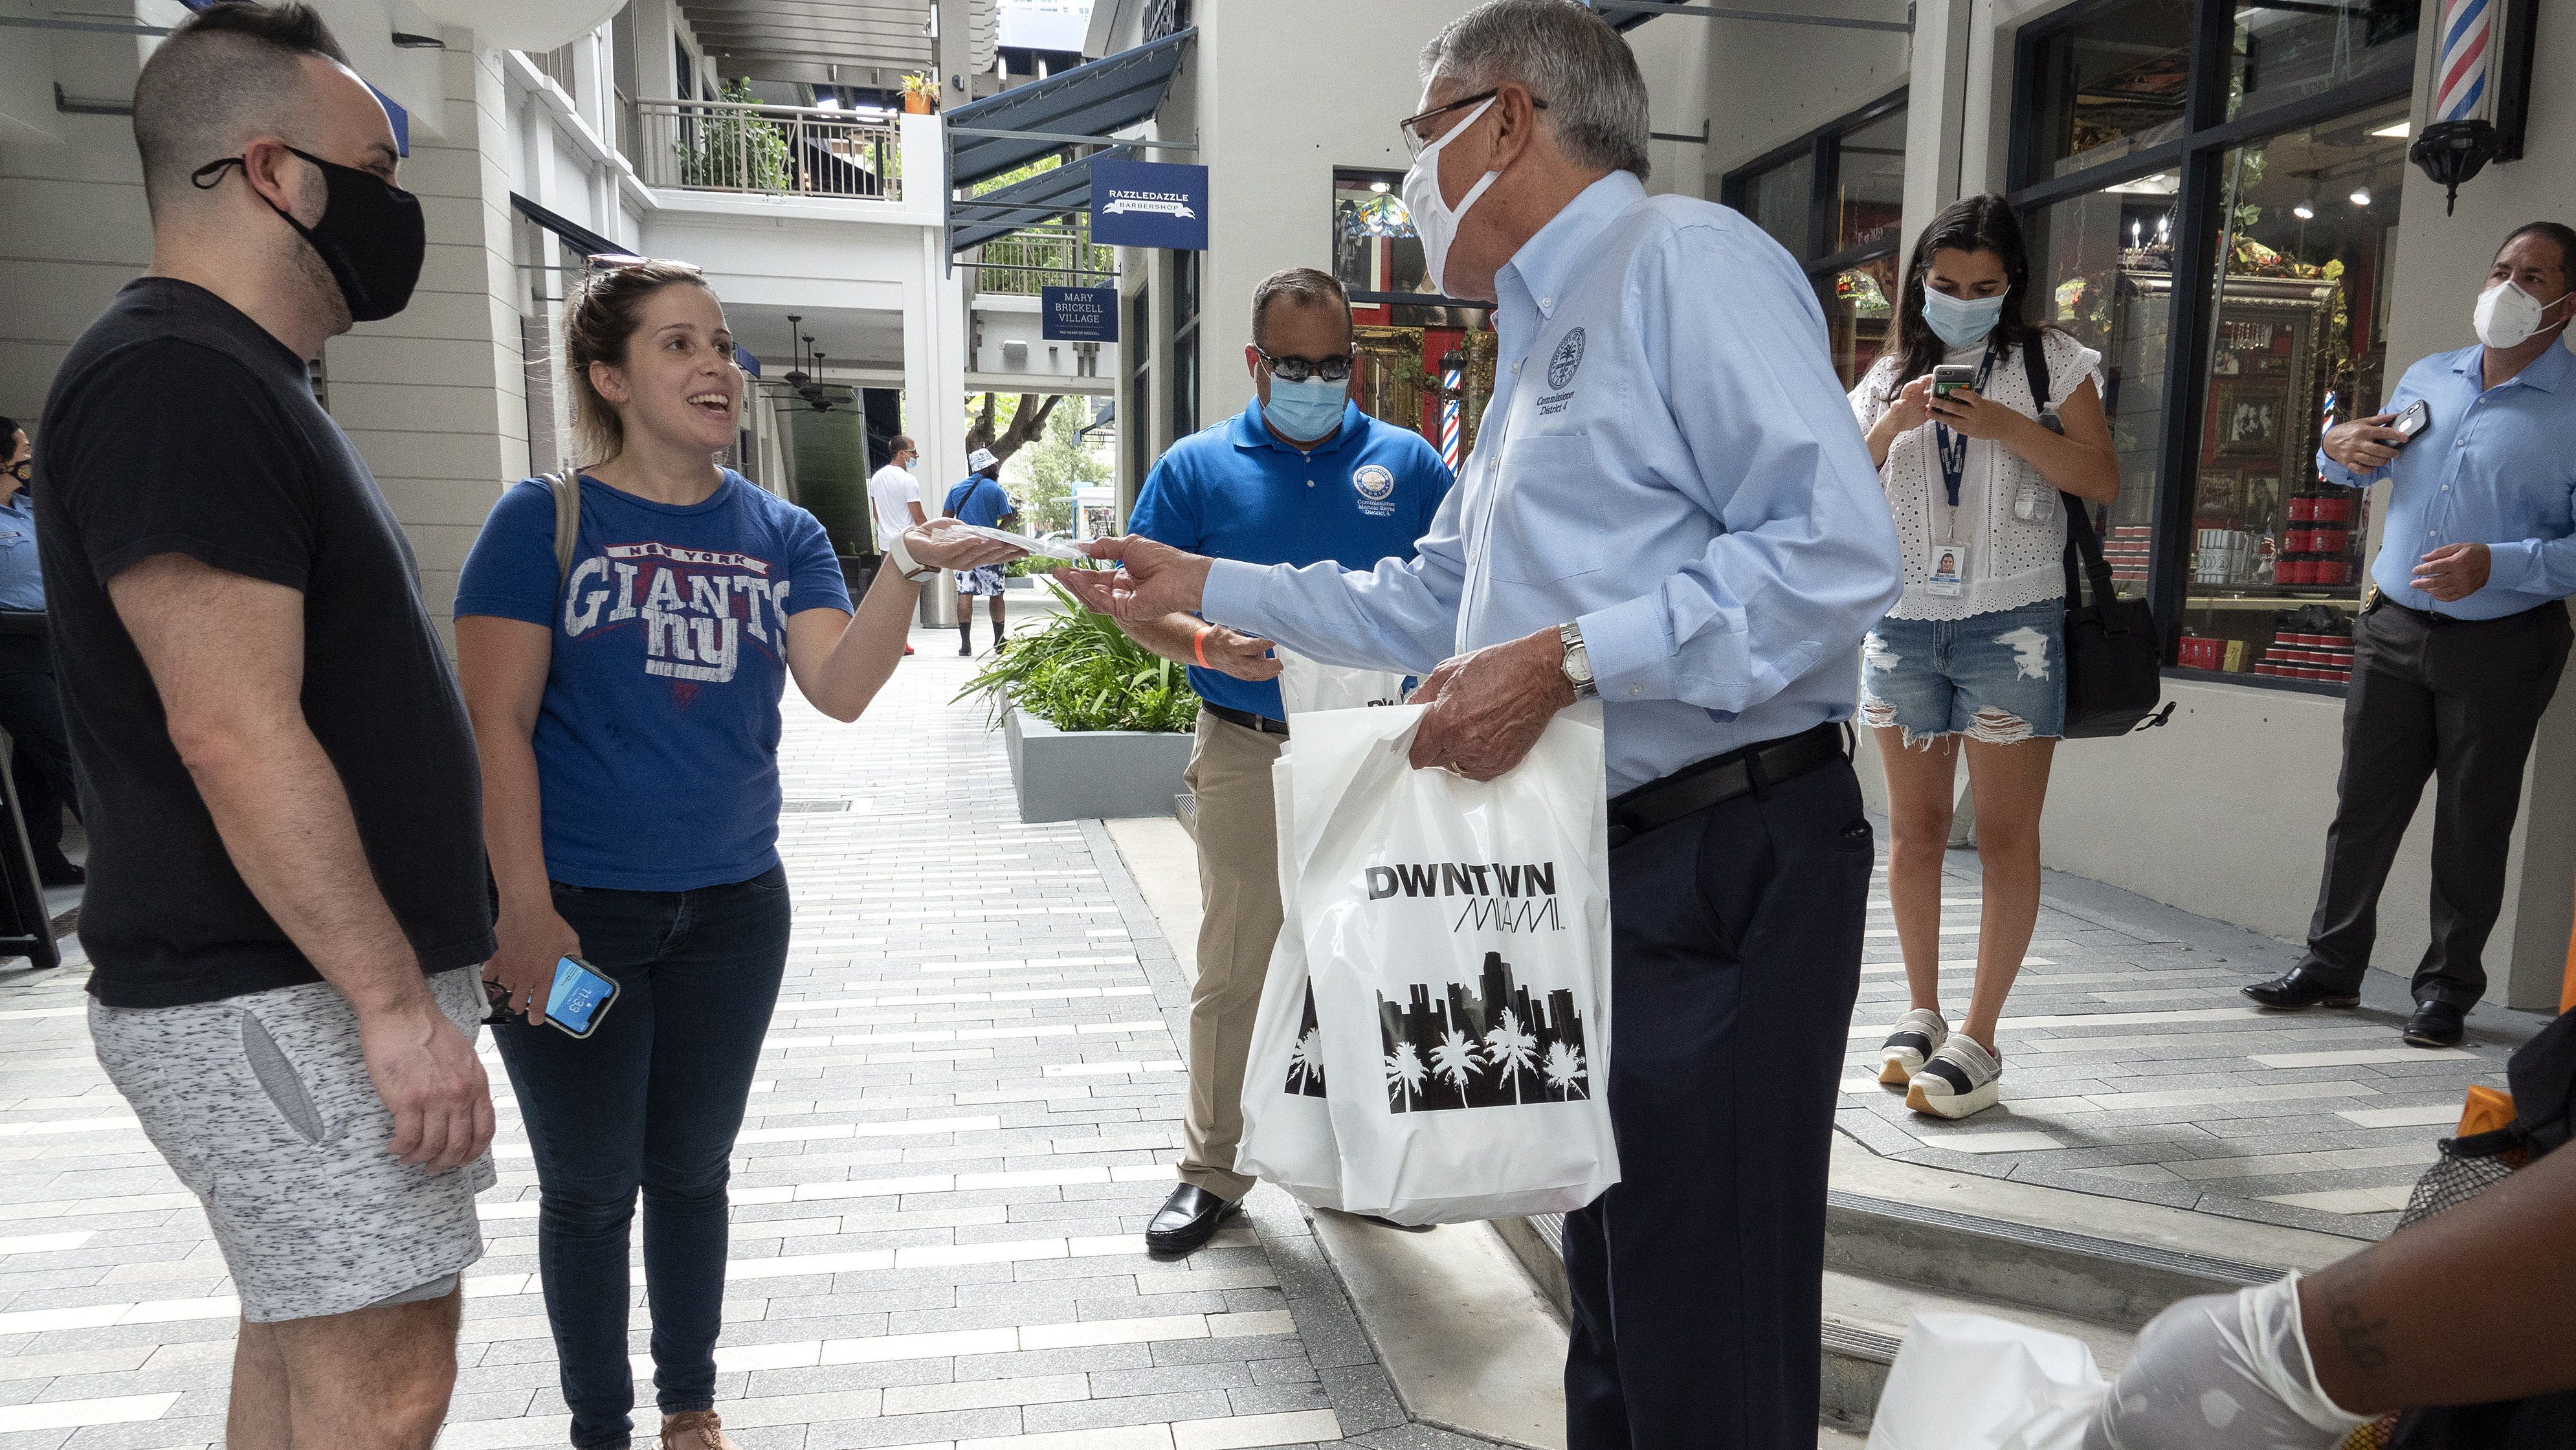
<point>2482,96</point>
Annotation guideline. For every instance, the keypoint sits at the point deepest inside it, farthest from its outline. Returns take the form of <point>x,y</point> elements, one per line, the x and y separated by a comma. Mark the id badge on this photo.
<point>1945,570</point>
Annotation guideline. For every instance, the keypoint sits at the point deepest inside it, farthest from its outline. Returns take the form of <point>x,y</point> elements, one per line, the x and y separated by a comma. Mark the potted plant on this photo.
<point>920,94</point>
<point>1095,724</point>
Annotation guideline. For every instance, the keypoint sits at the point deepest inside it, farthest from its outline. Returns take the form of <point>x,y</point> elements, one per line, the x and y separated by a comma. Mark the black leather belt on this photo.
<point>1721,778</point>
<point>1246,719</point>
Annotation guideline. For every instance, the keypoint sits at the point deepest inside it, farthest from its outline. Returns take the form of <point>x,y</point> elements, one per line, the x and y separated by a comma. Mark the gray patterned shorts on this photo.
<point>982,579</point>
<point>263,1107</point>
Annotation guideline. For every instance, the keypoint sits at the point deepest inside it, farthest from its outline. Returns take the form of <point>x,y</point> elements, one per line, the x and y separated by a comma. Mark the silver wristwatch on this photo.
<point>1577,664</point>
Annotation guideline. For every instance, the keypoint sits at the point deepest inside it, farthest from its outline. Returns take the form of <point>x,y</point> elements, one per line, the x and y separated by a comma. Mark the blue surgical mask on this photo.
<point>1305,411</point>
<point>1959,321</point>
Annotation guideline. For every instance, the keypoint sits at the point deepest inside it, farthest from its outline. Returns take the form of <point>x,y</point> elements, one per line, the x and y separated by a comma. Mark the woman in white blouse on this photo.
<point>1972,660</point>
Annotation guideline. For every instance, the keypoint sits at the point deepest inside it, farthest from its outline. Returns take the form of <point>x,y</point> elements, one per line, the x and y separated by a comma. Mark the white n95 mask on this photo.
<point>1433,219</point>
<point>2508,316</point>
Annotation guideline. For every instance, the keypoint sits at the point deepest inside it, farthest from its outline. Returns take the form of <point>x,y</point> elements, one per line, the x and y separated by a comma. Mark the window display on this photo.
<point>2299,344</point>
<point>2283,53</point>
<point>1843,183</point>
<point>2111,84</point>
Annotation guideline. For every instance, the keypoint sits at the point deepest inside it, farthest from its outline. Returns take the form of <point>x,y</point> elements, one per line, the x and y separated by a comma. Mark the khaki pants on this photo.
<point>1238,841</point>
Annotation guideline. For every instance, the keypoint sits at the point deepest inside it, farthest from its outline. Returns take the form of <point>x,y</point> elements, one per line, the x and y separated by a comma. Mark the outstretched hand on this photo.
<point>1152,579</point>
<point>946,544</point>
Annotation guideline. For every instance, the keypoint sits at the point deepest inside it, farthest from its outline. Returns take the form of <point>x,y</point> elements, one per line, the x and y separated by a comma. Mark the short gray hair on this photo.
<point>1567,56</point>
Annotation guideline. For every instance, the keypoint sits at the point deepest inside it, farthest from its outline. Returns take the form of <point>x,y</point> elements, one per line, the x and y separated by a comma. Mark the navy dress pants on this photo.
<point>1697,1280</point>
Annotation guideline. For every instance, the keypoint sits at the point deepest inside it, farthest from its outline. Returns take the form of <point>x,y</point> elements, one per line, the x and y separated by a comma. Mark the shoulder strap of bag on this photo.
<point>566,487</point>
<point>2083,545</point>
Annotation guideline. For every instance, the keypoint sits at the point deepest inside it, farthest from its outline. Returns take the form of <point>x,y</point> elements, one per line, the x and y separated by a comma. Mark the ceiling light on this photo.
<point>2394,130</point>
<point>2361,196</point>
<point>2305,211</point>
<point>1379,187</point>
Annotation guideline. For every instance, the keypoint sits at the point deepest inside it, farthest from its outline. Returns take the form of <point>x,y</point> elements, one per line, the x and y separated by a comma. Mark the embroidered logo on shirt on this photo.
<point>1569,356</point>
<point>1375,486</point>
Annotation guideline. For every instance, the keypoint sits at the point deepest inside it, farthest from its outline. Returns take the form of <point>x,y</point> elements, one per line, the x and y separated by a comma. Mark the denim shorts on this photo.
<point>1998,677</point>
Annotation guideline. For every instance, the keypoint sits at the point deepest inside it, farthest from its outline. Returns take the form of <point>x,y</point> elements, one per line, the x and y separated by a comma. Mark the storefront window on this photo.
<point>2102,268</point>
<point>2237,290</point>
<point>1375,248</point>
<point>1844,182</point>
<point>2288,52</point>
<point>2299,340</point>
<point>2111,84</point>
<point>1185,344</point>
<point>1780,200</point>
<point>1869,179</point>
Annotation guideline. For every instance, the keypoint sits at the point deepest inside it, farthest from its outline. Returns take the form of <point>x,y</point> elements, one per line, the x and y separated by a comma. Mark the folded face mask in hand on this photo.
<point>1043,548</point>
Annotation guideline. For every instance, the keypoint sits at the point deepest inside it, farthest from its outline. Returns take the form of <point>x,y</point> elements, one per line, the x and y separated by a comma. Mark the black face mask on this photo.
<point>371,235</point>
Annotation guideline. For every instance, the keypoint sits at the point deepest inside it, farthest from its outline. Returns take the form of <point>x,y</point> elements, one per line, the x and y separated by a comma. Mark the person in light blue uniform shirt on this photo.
<point>31,706</point>
<point>1669,506</point>
<point>980,500</point>
<point>2461,643</point>
<point>1300,476</point>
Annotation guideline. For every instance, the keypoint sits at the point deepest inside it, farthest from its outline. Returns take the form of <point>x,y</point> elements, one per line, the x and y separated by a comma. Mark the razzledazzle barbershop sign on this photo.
<point>1149,204</point>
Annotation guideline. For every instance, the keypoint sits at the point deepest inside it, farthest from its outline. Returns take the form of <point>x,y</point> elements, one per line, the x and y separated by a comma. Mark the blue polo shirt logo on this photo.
<point>1375,486</point>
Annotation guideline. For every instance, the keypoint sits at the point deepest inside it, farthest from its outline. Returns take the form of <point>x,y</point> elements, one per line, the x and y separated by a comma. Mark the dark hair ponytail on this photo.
<point>1970,224</point>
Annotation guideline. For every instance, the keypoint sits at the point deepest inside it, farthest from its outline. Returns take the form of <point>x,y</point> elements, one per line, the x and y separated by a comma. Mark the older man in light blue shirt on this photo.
<point>1669,506</point>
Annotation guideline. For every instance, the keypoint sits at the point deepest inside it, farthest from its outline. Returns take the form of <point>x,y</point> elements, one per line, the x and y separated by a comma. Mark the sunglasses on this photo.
<point>1298,369</point>
<point>1411,126</point>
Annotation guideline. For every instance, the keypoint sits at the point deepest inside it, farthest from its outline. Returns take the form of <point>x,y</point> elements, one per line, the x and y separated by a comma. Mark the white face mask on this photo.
<point>2507,316</point>
<point>1433,219</point>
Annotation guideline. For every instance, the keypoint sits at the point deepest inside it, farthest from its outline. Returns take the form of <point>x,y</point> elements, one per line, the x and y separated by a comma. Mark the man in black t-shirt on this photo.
<point>286,901</point>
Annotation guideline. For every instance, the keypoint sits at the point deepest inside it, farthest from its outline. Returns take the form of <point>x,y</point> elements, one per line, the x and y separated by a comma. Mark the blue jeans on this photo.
<point>1998,677</point>
<point>650,1101</point>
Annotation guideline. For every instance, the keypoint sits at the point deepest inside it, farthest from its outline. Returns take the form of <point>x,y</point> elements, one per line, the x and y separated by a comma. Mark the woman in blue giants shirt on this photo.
<point>626,712</point>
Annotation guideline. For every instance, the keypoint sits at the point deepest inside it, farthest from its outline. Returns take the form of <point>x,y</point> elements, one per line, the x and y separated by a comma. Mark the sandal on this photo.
<point>695,1430</point>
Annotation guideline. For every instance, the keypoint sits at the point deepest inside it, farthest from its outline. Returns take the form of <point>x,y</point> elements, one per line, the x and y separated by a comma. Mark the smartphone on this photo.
<point>580,996</point>
<point>2412,421</point>
<point>1948,378</point>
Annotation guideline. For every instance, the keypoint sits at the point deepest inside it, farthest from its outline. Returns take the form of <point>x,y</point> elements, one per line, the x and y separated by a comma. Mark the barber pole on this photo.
<point>2467,27</point>
<point>1450,392</point>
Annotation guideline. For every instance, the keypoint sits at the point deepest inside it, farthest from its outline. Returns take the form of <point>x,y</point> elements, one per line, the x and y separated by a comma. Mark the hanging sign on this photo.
<point>1078,314</point>
<point>1149,204</point>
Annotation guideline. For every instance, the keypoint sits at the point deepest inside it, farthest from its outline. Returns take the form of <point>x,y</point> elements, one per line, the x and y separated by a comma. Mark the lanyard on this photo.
<point>1954,446</point>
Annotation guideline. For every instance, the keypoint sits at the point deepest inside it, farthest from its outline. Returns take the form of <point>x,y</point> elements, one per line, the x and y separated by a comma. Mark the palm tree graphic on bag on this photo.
<point>1306,1059</point>
<point>1485,1043</point>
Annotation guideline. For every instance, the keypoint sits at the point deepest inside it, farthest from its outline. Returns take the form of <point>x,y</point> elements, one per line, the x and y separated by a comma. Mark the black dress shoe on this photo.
<point>2299,988</point>
<point>1186,1220</point>
<point>2436,1024</point>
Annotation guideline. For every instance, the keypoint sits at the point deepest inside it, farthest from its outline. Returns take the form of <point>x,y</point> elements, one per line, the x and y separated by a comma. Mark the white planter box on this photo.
<point>1087,774</point>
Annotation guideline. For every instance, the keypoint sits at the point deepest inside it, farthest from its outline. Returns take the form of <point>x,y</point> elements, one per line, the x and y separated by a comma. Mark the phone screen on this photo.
<point>580,996</point>
<point>1949,378</point>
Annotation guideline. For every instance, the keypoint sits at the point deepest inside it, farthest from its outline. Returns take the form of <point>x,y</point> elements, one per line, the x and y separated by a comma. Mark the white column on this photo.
<point>1936,110</point>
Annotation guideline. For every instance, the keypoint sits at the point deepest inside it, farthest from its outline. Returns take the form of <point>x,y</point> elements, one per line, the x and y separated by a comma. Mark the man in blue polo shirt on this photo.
<point>1301,476</point>
<point>980,500</point>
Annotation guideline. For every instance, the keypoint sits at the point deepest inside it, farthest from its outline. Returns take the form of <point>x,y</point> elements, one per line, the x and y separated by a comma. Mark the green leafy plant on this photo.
<point>1080,671</point>
<point>734,150</point>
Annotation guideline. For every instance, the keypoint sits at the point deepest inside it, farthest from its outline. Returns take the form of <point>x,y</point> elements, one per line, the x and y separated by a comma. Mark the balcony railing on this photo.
<point>1023,262</point>
<point>777,150</point>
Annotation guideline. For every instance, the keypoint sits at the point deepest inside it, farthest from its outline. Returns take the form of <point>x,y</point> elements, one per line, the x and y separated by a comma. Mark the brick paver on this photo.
<point>2134,1068</point>
<point>967,1109</point>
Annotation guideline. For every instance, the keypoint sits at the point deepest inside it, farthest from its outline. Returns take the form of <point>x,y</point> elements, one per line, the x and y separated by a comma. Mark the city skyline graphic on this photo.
<point>1484,1044</point>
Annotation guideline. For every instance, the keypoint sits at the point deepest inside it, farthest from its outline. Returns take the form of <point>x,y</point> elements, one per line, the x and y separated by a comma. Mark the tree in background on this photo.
<point>1007,425</point>
<point>1059,463</point>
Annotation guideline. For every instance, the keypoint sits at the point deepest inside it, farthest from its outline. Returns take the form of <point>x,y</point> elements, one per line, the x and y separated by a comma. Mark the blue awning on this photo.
<point>973,221</point>
<point>1090,100</point>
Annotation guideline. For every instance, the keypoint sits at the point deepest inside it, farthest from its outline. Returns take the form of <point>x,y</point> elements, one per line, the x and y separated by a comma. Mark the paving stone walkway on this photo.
<point>2134,1068</point>
<point>967,1109</point>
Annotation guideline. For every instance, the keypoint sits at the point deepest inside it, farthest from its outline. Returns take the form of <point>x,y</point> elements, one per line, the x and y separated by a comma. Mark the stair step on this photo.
<point>2109,1280</point>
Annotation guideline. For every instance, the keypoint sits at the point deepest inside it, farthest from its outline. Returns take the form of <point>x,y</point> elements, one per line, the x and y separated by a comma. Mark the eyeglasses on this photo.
<point>1411,126</point>
<point>1298,369</point>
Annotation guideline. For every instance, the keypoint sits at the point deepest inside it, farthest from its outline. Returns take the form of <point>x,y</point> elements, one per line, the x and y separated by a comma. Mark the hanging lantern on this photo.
<point>2476,83</point>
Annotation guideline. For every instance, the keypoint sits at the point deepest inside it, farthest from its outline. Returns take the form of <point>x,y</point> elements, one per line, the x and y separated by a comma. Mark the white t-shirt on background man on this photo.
<point>891,492</point>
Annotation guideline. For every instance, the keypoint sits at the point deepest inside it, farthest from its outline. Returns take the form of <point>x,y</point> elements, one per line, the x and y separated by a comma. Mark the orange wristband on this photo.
<point>1198,645</point>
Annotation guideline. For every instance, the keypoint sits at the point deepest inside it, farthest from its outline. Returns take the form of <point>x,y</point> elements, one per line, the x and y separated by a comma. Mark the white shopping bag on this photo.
<point>1457,938</point>
<point>1308,685</point>
<point>1287,1126</point>
<point>1971,1382</point>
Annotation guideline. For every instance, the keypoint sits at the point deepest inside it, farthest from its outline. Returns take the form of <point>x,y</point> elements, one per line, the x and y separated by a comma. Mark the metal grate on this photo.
<point>812,807</point>
<point>1551,1227</point>
<point>1840,1338</point>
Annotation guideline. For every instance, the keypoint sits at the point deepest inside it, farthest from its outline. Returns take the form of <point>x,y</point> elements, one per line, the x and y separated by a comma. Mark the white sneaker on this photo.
<point>1959,1079</point>
<point>1918,1035</point>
